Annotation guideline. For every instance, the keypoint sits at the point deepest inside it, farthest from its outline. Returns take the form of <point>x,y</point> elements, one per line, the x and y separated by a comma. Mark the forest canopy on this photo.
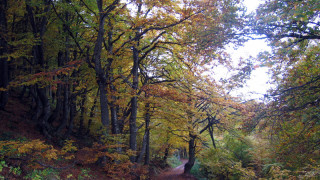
<point>119,89</point>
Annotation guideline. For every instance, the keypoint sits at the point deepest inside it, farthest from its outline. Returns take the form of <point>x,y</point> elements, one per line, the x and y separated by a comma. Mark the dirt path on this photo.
<point>176,173</point>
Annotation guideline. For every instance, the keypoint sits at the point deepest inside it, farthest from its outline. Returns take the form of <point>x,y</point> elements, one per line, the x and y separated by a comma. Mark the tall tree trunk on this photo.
<point>67,94</point>
<point>66,110</point>
<point>4,70</point>
<point>38,29</point>
<point>147,156</point>
<point>73,110</point>
<point>36,111</point>
<point>134,104</point>
<point>146,135</point>
<point>135,83</point>
<point>148,118</point>
<point>92,113</point>
<point>59,100</point>
<point>46,112</point>
<point>113,108</point>
<point>192,152</point>
<point>82,112</point>
<point>56,114</point>
<point>104,106</point>
<point>102,83</point>
<point>114,119</point>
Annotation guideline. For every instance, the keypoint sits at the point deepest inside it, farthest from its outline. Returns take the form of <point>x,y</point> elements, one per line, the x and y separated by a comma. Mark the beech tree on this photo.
<point>107,63</point>
<point>292,28</point>
<point>4,75</point>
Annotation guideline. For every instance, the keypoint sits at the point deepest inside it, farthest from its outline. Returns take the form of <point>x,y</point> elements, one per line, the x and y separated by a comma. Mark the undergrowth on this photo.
<point>197,171</point>
<point>174,161</point>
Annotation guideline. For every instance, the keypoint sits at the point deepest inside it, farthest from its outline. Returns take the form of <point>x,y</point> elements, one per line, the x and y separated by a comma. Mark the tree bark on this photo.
<point>66,110</point>
<point>36,110</point>
<point>82,112</point>
<point>147,156</point>
<point>67,92</point>
<point>192,152</point>
<point>101,79</point>
<point>73,109</point>
<point>56,114</point>
<point>134,103</point>
<point>92,113</point>
<point>38,27</point>
<point>113,108</point>
<point>148,117</point>
<point>46,112</point>
<point>145,141</point>
<point>4,70</point>
<point>166,153</point>
<point>114,120</point>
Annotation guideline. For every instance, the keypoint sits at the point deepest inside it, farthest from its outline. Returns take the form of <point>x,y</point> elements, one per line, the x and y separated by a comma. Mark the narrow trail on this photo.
<point>175,173</point>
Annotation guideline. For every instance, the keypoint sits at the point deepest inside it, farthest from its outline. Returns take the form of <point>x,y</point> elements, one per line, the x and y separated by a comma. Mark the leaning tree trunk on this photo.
<point>4,75</point>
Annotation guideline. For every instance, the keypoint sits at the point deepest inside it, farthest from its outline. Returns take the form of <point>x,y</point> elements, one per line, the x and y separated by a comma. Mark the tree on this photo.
<point>288,19</point>
<point>292,28</point>
<point>102,81</point>
<point>143,59</point>
<point>156,36</point>
<point>4,75</point>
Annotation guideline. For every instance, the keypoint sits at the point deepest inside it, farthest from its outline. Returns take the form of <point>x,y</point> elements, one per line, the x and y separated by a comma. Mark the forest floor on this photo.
<point>175,173</point>
<point>16,123</point>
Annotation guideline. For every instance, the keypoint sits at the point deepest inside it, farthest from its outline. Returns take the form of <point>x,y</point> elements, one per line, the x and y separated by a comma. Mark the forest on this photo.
<point>124,89</point>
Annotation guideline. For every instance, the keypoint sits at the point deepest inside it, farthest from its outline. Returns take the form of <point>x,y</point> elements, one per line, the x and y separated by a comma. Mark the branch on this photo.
<point>67,28</point>
<point>212,121</point>
<point>299,36</point>
<point>110,8</point>
<point>88,7</point>
<point>297,87</point>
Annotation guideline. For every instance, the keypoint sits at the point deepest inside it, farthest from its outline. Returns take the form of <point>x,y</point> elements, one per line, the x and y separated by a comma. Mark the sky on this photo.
<point>258,85</point>
<point>252,4</point>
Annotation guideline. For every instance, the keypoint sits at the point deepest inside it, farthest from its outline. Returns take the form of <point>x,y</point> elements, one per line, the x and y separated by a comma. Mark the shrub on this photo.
<point>197,171</point>
<point>219,164</point>
<point>231,160</point>
<point>42,174</point>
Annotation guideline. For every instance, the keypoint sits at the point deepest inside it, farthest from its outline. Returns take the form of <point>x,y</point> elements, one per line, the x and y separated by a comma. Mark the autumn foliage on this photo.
<point>113,89</point>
